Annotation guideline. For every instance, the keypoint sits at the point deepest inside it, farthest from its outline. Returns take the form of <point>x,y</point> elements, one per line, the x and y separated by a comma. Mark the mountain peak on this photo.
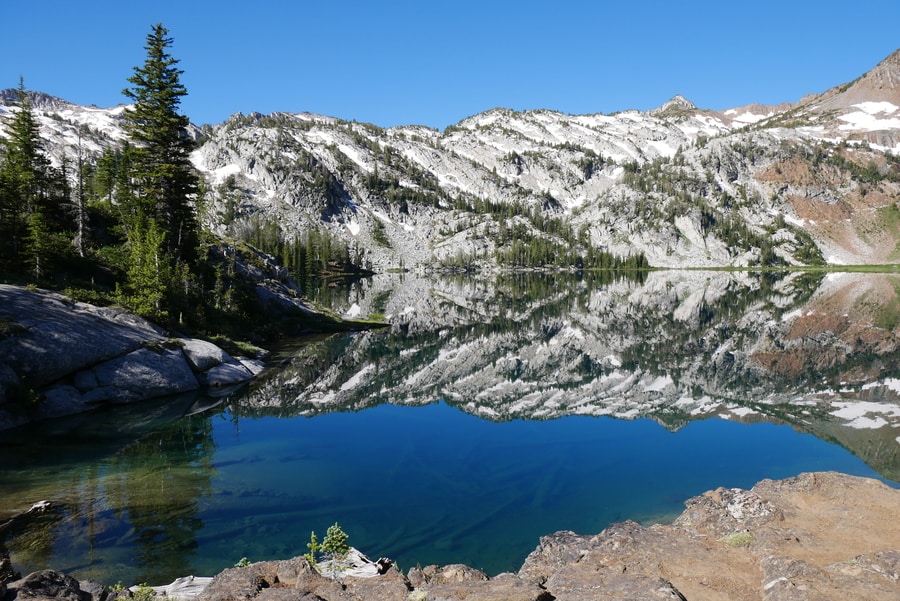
<point>879,84</point>
<point>37,100</point>
<point>676,103</point>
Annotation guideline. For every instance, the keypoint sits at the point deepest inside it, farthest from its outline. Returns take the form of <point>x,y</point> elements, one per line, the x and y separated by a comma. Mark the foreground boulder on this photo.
<point>59,357</point>
<point>818,536</point>
<point>46,584</point>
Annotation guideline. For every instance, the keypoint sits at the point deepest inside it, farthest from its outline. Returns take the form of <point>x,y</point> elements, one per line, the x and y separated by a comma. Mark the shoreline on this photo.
<point>827,534</point>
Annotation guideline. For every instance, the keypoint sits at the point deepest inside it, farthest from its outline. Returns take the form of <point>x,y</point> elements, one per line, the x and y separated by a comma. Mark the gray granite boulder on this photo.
<point>59,357</point>
<point>203,355</point>
<point>46,584</point>
<point>226,374</point>
<point>147,373</point>
<point>57,337</point>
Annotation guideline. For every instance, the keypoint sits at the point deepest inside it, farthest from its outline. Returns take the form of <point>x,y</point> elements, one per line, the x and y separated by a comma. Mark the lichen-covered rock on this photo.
<point>450,574</point>
<point>295,580</point>
<point>823,536</point>
<point>506,587</point>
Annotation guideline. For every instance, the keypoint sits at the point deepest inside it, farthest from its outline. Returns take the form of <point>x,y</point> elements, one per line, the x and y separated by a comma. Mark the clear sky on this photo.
<point>435,62</point>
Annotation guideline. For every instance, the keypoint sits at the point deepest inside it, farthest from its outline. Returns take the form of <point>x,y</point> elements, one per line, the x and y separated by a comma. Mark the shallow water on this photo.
<point>421,485</point>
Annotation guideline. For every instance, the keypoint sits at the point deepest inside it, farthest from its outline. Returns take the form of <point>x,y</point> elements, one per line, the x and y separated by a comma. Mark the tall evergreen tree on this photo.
<point>166,182</point>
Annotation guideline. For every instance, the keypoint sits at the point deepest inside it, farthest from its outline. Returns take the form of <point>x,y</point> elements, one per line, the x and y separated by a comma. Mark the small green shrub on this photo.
<point>313,546</point>
<point>334,548</point>
<point>335,544</point>
<point>143,593</point>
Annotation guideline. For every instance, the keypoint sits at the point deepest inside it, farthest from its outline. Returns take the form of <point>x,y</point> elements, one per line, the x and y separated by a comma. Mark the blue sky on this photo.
<point>435,63</point>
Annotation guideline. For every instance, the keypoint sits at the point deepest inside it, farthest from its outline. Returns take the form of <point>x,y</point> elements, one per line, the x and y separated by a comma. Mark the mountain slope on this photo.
<point>793,183</point>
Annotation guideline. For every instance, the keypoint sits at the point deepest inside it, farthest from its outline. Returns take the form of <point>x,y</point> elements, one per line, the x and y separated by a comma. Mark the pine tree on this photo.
<point>79,202</point>
<point>31,193</point>
<point>167,184</point>
<point>148,270</point>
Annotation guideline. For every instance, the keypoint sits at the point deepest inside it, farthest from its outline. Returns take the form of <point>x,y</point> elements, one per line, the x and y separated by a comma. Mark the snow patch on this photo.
<point>749,118</point>
<point>662,148</point>
<point>858,413</point>
<point>354,155</point>
<point>874,108</point>
<point>791,315</point>
<point>891,383</point>
<point>353,227</point>
<point>382,216</point>
<point>220,174</point>
<point>866,120</point>
<point>793,220</point>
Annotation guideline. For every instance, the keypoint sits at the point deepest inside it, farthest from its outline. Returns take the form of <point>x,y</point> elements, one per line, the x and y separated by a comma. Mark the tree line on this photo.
<point>127,219</point>
<point>123,226</point>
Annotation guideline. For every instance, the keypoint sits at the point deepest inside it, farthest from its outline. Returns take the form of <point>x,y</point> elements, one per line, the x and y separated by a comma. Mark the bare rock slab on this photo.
<point>823,536</point>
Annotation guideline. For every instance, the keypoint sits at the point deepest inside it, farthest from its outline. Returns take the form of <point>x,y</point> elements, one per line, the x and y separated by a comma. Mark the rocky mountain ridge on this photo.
<point>794,183</point>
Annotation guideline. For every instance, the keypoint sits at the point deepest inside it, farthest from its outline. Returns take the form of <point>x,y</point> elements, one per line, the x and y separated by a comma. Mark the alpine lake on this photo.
<point>492,411</point>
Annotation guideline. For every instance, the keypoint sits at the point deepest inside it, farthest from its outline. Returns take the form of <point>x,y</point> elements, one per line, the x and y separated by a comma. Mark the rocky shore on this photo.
<point>60,357</point>
<point>817,536</point>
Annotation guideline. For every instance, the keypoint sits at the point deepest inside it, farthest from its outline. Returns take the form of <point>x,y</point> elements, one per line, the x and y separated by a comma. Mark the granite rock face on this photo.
<point>59,357</point>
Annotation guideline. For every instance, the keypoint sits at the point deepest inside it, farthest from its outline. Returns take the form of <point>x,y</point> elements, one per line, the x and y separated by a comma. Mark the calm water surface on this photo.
<point>146,494</point>
<point>419,484</point>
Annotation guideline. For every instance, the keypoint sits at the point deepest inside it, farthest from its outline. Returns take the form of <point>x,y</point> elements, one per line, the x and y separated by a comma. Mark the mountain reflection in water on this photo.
<point>512,382</point>
<point>817,352</point>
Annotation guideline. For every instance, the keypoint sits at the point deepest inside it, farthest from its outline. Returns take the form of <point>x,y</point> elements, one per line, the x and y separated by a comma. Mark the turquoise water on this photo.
<point>421,485</point>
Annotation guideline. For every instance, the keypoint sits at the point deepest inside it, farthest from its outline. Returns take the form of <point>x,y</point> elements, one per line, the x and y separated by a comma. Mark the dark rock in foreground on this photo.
<point>818,536</point>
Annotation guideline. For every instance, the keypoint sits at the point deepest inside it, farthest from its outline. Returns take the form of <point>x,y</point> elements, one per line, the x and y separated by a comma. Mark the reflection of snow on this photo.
<point>354,380</point>
<point>659,384</point>
<point>858,413</point>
